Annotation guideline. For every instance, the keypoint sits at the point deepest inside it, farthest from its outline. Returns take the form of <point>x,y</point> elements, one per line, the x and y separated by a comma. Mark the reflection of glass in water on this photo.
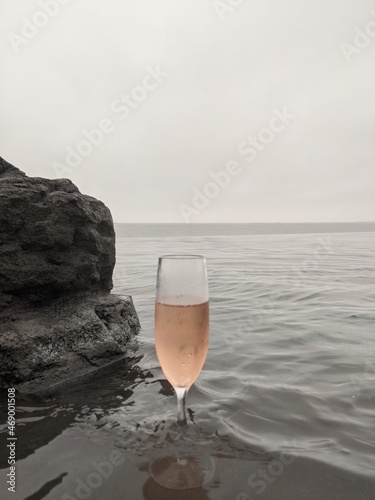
<point>183,474</point>
<point>186,470</point>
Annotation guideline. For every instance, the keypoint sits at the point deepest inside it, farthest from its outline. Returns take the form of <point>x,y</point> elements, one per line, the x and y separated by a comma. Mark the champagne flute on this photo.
<point>181,341</point>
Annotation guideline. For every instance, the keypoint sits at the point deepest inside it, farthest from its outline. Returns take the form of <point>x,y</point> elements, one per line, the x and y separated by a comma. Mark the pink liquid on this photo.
<point>181,340</point>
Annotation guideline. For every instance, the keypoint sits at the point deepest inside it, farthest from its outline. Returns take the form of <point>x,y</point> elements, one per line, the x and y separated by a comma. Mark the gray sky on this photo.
<point>182,89</point>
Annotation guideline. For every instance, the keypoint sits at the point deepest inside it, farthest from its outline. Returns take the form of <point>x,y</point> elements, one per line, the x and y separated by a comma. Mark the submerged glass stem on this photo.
<point>181,406</point>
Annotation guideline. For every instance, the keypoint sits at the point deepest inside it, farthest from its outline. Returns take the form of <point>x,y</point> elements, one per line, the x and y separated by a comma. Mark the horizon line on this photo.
<point>202,223</point>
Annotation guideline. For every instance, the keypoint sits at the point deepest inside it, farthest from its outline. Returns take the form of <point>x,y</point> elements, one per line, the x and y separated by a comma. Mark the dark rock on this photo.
<point>8,170</point>
<point>53,239</point>
<point>57,254</point>
<point>70,336</point>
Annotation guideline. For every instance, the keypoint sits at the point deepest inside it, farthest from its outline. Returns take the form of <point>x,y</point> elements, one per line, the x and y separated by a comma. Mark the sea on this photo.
<point>284,405</point>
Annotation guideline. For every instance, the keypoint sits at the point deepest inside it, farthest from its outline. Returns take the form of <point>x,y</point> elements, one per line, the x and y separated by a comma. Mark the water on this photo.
<point>285,402</point>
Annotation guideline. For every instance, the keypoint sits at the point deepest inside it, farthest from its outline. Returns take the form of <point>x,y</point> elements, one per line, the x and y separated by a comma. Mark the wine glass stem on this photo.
<point>181,403</point>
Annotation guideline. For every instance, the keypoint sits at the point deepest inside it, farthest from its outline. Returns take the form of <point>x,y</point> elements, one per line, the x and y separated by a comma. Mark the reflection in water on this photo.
<point>47,487</point>
<point>183,459</point>
<point>44,415</point>
<point>166,388</point>
<point>178,473</point>
<point>153,491</point>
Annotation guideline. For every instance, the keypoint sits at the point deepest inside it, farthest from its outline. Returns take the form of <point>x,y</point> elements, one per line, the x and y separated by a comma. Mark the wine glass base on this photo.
<point>182,472</point>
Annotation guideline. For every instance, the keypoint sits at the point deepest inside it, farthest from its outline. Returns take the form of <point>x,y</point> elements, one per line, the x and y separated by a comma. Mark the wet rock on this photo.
<point>45,344</point>
<point>57,254</point>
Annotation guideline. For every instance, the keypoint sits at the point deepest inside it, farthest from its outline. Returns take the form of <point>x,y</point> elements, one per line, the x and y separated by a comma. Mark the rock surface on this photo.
<point>57,254</point>
<point>72,335</point>
<point>53,239</point>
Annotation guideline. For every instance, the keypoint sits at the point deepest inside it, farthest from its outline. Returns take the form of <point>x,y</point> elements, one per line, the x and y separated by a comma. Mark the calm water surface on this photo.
<point>285,402</point>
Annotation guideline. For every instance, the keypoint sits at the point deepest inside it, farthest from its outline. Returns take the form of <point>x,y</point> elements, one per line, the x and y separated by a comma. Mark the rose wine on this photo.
<point>181,340</point>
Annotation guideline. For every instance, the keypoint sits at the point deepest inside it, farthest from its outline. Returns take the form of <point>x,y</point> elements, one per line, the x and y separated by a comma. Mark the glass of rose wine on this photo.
<point>181,341</point>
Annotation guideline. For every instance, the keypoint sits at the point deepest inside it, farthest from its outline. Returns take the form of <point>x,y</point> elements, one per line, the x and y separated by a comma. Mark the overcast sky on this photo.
<point>279,93</point>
